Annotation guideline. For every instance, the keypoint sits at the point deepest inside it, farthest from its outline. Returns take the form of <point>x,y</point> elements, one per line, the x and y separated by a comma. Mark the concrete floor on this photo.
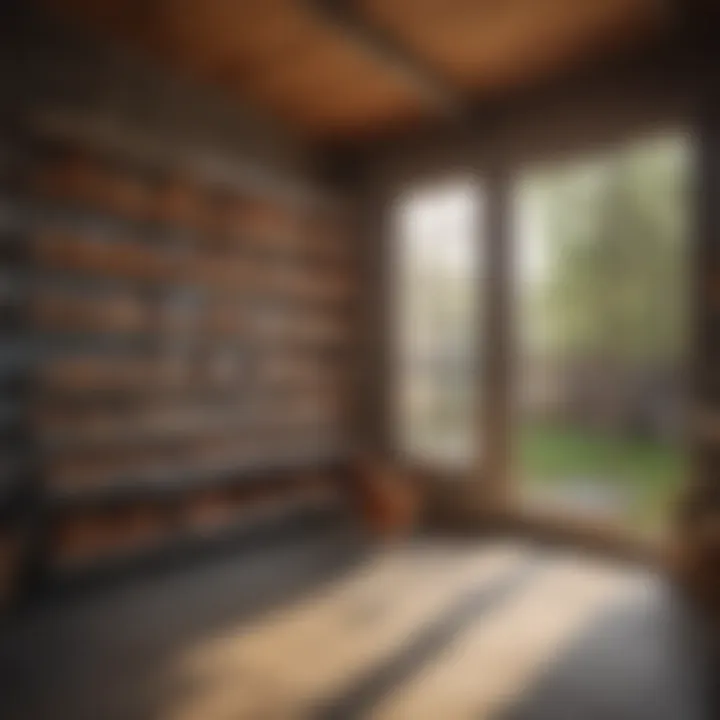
<point>324,627</point>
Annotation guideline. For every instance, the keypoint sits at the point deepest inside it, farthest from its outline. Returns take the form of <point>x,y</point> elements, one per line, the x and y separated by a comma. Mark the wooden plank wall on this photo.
<point>177,340</point>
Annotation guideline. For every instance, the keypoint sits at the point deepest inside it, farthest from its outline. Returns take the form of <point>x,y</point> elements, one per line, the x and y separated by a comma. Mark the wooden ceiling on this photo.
<point>380,64</point>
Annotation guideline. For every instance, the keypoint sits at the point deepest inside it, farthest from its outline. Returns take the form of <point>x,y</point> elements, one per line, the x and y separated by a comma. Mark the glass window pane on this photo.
<point>436,262</point>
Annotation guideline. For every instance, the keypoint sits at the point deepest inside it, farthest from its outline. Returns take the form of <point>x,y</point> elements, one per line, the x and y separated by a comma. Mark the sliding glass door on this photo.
<point>602,320</point>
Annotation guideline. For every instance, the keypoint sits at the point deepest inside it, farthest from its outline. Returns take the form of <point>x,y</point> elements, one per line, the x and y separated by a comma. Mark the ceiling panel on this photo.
<point>481,44</point>
<point>288,59</point>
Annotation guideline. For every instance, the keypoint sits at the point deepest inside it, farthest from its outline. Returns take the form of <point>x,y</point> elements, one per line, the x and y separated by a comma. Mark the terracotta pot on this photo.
<point>390,501</point>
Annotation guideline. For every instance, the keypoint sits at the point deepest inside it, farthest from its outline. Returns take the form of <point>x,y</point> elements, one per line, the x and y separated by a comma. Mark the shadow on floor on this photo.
<point>358,700</point>
<point>108,655</point>
<point>646,658</point>
<point>104,655</point>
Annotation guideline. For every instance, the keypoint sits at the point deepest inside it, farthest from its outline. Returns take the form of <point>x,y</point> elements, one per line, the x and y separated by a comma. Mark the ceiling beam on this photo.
<point>653,85</point>
<point>382,45</point>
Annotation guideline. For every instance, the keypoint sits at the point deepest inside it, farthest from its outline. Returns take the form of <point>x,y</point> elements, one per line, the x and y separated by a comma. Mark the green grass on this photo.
<point>649,473</point>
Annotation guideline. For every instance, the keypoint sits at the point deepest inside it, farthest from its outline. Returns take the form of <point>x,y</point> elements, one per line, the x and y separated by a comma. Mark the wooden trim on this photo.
<point>495,335</point>
<point>565,530</point>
